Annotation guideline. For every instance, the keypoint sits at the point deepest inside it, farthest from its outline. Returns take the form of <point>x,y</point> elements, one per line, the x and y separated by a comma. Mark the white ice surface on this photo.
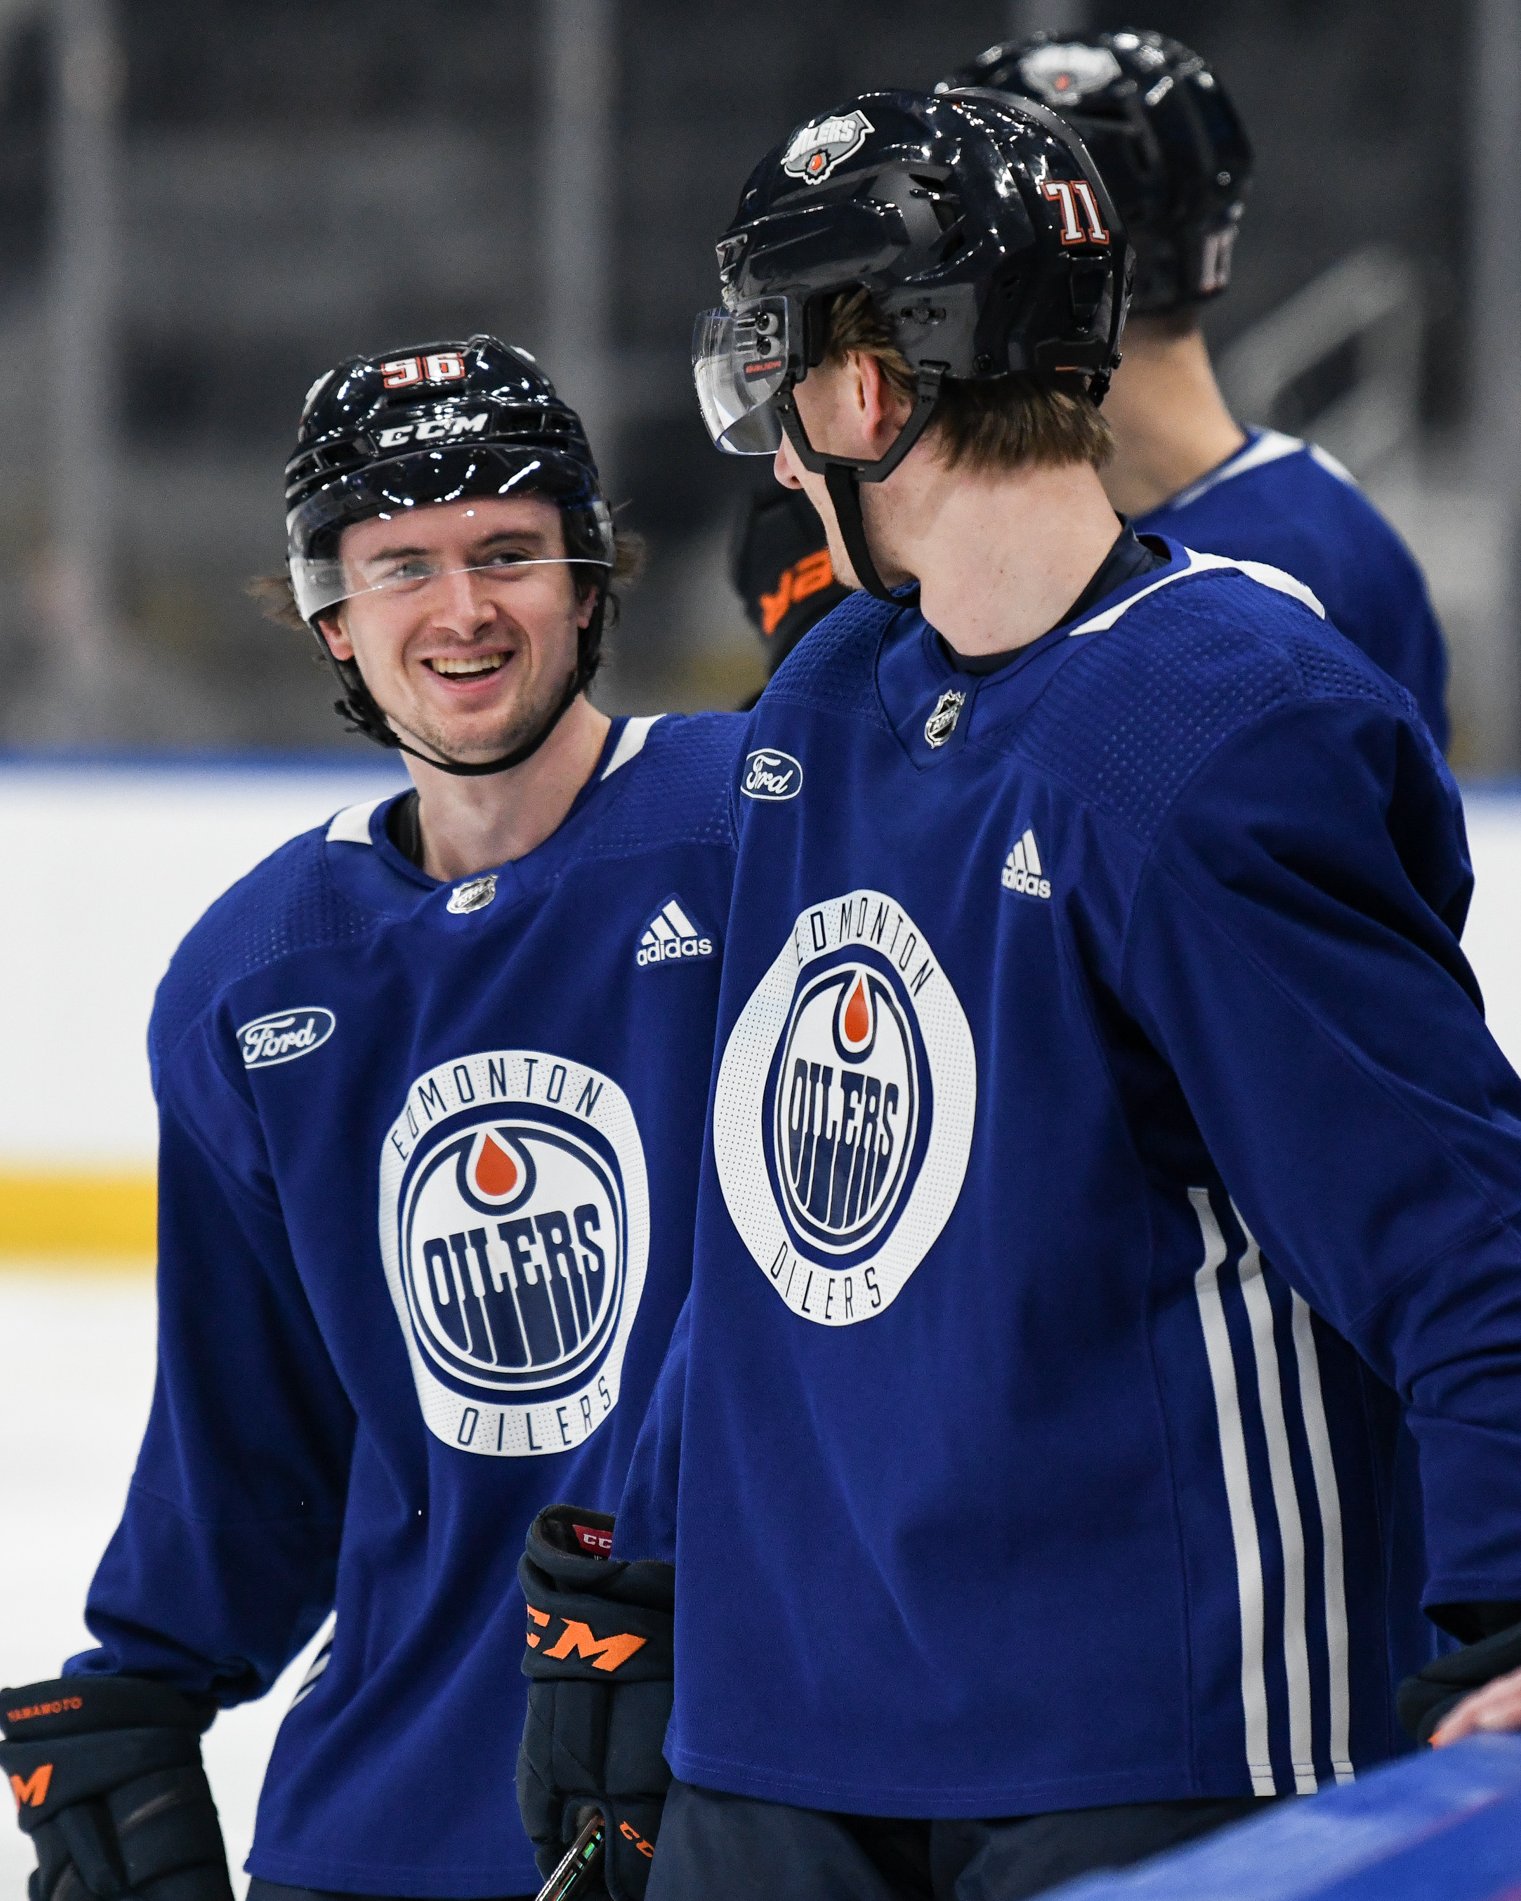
<point>79,1357</point>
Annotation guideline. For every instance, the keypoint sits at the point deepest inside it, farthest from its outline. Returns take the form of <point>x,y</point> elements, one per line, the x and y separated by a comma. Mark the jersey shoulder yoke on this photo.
<point>286,904</point>
<point>671,777</point>
<point>1152,689</point>
<point>834,669</point>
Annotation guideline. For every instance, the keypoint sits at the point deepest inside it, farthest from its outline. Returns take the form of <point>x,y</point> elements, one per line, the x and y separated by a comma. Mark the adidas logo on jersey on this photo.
<point>670,936</point>
<point>1022,869</point>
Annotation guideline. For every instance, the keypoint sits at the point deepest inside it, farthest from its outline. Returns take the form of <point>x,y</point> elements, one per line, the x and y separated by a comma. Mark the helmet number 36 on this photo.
<point>442,366</point>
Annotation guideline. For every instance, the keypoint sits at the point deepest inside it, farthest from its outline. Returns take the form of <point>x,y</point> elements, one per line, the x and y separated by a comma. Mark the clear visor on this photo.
<point>382,532</point>
<point>320,585</point>
<point>740,361</point>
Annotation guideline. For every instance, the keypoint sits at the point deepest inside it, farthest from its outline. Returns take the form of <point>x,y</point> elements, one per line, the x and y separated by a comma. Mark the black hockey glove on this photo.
<point>599,1667</point>
<point>1425,1699</point>
<point>108,1782</point>
<point>781,570</point>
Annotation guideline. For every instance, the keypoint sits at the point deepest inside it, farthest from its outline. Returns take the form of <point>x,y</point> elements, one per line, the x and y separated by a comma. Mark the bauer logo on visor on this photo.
<point>818,147</point>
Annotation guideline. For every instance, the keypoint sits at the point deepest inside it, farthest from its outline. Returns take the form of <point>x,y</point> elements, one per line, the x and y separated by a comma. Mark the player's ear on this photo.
<point>330,626</point>
<point>882,409</point>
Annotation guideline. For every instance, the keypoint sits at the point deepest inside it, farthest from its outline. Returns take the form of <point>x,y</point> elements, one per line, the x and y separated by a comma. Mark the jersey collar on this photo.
<point>364,862</point>
<point>918,684</point>
<point>1261,447</point>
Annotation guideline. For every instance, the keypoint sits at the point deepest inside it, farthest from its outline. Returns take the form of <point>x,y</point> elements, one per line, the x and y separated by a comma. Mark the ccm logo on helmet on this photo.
<point>580,1640</point>
<point>433,429</point>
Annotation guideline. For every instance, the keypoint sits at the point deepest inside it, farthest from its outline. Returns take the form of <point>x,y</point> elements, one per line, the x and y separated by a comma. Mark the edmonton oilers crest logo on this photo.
<point>515,1232</point>
<point>844,1109</point>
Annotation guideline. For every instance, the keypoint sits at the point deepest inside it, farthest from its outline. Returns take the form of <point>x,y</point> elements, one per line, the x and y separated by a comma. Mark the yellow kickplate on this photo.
<point>92,1218</point>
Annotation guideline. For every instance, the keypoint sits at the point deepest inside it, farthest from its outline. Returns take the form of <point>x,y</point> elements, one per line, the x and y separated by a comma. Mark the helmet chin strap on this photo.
<point>843,475</point>
<point>844,486</point>
<point>360,710</point>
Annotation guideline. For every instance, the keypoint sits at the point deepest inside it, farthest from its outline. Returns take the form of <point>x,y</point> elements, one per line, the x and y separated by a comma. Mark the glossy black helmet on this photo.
<point>1163,132</point>
<point>978,224</point>
<point>432,423</point>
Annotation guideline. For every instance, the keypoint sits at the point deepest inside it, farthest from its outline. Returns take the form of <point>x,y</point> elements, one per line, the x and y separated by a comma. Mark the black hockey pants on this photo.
<point>726,1846</point>
<point>272,1891</point>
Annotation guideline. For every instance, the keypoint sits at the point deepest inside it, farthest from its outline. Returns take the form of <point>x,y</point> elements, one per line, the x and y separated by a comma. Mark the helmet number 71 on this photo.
<point>1081,220</point>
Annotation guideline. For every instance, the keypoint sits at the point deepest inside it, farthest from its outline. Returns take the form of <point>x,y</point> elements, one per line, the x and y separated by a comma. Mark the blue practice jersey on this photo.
<point>427,1174</point>
<point>1291,505</point>
<point>1108,1156</point>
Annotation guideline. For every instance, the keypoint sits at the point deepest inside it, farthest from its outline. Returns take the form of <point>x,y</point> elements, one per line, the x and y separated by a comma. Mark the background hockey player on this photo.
<point>430,1085</point>
<point>780,568</point>
<point>1107,1147</point>
<point>1175,157</point>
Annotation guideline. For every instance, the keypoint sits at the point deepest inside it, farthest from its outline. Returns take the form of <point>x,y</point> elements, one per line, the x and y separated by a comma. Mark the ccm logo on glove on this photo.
<point>580,1640</point>
<point>33,1789</point>
<point>631,1834</point>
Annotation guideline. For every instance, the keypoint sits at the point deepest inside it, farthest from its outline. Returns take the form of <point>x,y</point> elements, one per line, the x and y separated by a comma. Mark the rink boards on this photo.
<point>1442,1826</point>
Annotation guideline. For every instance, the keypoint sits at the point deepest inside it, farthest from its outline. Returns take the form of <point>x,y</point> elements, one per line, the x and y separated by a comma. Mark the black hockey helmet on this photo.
<point>430,423</point>
<point>979,226</point>
<point>1163,132</point>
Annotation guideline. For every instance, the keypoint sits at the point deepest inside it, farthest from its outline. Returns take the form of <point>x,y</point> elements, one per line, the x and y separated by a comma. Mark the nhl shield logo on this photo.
<point>1063,74</point>
<point>818,147</point>
<point>942,721</point>
<point>515,1231</point>
<point>474,895</point>
<point>842,1119</point>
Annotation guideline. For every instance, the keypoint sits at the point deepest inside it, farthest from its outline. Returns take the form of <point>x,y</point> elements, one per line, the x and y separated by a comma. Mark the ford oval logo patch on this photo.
<point>284,1035</point>
<point>771,775</point>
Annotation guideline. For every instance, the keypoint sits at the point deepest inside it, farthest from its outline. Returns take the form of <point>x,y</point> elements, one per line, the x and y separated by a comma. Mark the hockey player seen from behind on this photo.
<point>1175,157</point>
<point>430,1082</point>
<point>1108,1159</point>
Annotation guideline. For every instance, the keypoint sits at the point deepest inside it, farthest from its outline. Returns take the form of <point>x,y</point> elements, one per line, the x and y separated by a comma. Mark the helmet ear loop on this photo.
<point>843,475</point>
<point>358,708</point>
<point>589,637</point>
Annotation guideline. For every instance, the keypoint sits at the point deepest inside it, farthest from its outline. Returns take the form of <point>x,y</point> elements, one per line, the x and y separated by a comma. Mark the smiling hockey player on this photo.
<point>1173,152</point>
<point>430,1084</point>
<point>1107,1150</point>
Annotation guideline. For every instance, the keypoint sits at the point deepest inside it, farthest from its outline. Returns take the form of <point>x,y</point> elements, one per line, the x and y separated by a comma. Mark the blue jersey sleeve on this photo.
<point>1292,954</point>
<point>223,1564</point>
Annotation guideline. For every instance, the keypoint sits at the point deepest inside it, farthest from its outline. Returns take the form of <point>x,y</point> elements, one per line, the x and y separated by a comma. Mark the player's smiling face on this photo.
<point>464,642</point>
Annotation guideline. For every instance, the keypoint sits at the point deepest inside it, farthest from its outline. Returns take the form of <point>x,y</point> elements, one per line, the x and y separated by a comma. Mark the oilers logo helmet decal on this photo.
<point>514,1227</point>
<point>843,1114</point>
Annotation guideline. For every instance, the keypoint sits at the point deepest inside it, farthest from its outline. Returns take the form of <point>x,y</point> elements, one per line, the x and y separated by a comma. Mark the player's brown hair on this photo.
<point>1007,422</point>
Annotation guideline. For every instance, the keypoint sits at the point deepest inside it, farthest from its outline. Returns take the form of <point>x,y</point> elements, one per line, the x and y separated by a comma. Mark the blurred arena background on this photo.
<point>201,208</point>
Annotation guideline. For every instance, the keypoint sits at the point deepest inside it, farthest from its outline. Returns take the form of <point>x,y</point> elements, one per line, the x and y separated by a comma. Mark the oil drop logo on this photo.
<point>514,1227</point>
<point>843,1115</point>
<point>845,1108</point>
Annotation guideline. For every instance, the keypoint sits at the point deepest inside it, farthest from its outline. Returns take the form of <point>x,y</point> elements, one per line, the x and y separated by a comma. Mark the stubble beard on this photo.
<point>523,721</point>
